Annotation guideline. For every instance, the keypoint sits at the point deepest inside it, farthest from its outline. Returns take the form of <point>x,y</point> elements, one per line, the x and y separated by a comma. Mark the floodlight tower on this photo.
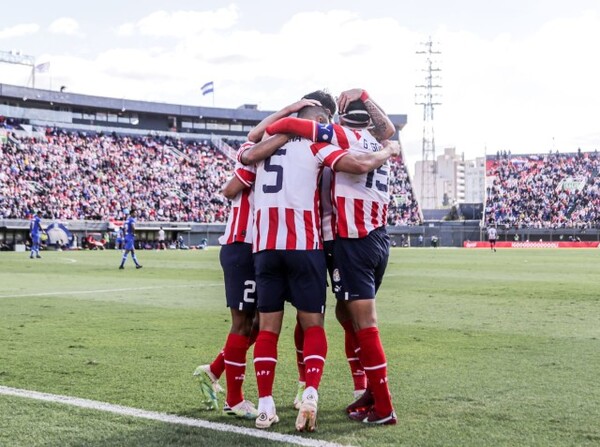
<point>428,97</point>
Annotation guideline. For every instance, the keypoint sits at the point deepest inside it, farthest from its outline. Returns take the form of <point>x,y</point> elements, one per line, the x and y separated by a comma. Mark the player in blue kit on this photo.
<point>130,241</point>
<point>35,232</point>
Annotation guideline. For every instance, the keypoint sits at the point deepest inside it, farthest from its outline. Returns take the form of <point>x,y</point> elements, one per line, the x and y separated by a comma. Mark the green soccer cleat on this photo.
<point>209,386</point>
<point>244,410</point>
<point>298,398</point>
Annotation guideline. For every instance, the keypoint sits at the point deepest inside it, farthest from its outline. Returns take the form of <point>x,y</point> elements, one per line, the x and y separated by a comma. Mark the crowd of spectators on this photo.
<point>403,208</point>
<point>96,177</point>
<point>544,191</point>
<point>74,175</point>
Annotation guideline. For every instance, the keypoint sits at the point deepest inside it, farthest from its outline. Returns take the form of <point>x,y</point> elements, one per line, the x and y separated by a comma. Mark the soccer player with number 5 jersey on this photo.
<point>240,285</point>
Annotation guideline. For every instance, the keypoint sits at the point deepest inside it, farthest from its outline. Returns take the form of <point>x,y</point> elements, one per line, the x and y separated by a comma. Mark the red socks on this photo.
<point>235,367</point>
<point>315,352</point>
<point>351,344</point>
<point>299,343</point>
<point>218,365</point>
<point>374,363</point>
<point>265,360</point>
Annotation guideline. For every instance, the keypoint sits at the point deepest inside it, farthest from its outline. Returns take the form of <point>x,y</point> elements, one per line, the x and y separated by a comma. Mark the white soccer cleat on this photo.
<point>267,414</point>
<point>307,414</point>
<point>244,410</point>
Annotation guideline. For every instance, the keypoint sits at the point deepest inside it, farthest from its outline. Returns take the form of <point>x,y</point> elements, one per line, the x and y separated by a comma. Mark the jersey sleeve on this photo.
<point>245,174</point>
<point>328,154</point>
<point>335,134</point>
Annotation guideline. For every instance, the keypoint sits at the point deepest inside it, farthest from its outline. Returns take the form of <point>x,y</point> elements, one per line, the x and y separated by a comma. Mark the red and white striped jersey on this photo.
<point>241,217</point>
<point>287,198</point>
<point>327,213</point>
<point>360,201</point>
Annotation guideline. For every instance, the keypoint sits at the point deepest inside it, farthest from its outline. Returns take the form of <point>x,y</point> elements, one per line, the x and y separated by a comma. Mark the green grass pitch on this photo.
<point>483,349</point>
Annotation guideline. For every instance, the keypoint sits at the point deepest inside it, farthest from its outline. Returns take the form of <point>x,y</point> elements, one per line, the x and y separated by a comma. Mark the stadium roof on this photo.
<point>26,97</point>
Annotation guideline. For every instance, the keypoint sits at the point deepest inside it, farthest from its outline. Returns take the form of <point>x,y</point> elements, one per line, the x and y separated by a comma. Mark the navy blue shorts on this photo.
<point>238,270</point>
<point>336,285</point>
<point>360,264</point>
<point>300,275</point>
<point>129,242</point>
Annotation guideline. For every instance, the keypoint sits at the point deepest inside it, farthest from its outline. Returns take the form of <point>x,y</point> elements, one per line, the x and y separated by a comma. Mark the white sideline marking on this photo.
<point>126,289</point>
<point>164,417</point>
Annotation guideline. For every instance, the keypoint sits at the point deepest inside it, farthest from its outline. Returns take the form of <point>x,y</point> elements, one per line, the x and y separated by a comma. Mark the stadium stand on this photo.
<point>543,191</point>
<point>72,175</point>
<point>403,209</point>
<point>95,176</point>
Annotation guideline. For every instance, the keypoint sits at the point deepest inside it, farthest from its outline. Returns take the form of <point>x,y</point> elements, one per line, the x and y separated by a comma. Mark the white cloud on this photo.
<point>19,30</point>
<point>65,25</point>
<point>521,93</point>
<point>180,24</point>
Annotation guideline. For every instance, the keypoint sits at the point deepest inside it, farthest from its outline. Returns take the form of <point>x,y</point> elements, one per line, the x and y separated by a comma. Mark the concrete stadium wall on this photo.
<point>449,234</point>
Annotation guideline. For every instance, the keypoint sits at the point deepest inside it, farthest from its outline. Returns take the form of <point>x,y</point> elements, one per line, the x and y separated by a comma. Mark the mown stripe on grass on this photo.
<point>125,289</point>
<point>163,417</point>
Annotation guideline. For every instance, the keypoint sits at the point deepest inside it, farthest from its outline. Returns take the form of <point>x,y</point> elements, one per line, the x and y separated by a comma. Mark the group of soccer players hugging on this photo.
<point>309,198</point>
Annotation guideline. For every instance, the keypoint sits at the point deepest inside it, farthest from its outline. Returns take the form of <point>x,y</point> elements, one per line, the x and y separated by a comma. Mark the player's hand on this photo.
<point>392,146</point>
<point>347,97</point>
<point>298,105</point>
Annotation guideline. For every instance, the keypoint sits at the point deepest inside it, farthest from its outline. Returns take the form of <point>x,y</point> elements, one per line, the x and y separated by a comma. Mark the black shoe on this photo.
<point>363,403</point>
<point>370,417</point>
<point>39,257</point>
<point>121,267</point>
<point>138,266</point>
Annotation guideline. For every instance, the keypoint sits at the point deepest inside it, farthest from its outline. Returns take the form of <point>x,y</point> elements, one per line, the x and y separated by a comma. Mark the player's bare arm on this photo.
<point>256,134</point>
<point>262,150</point>
<point>232,187</point>
<point>383,128</point>
<point>354,163</point>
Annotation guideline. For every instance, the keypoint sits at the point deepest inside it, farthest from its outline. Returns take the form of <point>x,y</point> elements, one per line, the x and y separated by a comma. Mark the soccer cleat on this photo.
<point>205,370</point>
<point>370,417</point>
<point>307,414</point>
<point>208,386</point>
<point>39,257</point>
<point>265,420</point>
<point>298,398</point>
<point>138,266</point>
<point>267,414</point>
<point>244,410</point>
<point>121,267</point>
<point>363,403</point>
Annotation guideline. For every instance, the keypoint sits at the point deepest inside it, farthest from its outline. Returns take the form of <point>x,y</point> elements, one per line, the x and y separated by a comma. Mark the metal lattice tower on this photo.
<point>428,97</point>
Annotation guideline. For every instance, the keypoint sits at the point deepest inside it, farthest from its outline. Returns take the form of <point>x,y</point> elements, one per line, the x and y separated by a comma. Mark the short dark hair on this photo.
<point>325,99</point>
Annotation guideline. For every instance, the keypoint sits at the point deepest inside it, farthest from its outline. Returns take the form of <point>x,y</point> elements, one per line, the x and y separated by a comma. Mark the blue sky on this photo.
<point>516,75</point>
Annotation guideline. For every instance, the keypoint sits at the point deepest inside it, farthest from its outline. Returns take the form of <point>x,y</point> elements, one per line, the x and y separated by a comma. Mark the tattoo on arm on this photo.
<point>380,120</point>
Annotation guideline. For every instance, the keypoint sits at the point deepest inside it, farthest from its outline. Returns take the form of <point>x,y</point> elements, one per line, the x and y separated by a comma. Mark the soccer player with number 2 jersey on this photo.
<point>240,285</point>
